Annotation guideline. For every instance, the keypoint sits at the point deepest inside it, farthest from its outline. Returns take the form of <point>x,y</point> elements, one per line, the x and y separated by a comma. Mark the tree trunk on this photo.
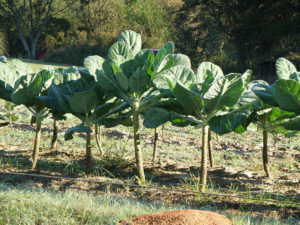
<point>33,47</point>
<point>36,148</point>
<point>88,154</point>
<point>209,143</point>
<point>265,153</point>
<point>98,138</point>
<point>137,146</point>
<point>203,168</point>
<point>54,136</point>
<point>23,40</point>
<point>155,145</point>
<point>89,27</point>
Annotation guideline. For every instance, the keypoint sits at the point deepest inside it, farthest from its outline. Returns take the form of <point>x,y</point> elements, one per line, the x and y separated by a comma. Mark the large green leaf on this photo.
<point>167,62</point>
<point>106,82</point>
<point>240,116</point>
<point>265,93</point>
<point>58,99</point>
<point>166,80</point>
<point>119,53</point>
<point>132,39</point>
<point>122,80</point>
<point>103,109</point>
<point>207,72</point>
<point>83,102</point>
<point>292,124</point>
<point>168,48</point>
<point>164,111</point>
<point>171,60</point>
<point>156,117</point>
<point>246,77</point>
<point>29,87</point>
<point>144,59</point>
<point>226,123</point>
<point>191,101</point>
<point>79,128</point>
<point>183,60</point>
<point>9,74</point>
<point>284,68</point>
<point>7,81</point>
<point>113,121</point>
<point>138,81</point>
<point>92,63</point>
<point>64,87</point>
<point>224,92</point>
<point>287,94</point>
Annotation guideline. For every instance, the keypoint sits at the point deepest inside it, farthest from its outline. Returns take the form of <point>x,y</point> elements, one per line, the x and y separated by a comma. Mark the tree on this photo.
<point>245,31</point>
<point>30,18</point>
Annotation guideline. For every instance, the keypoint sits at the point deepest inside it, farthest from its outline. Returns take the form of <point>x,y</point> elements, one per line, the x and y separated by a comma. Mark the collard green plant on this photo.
<point>251,109</point>
<point>19,85</point>
<point>285,93</point>
<point>129,72</point>
<point>9,112</point>
<point>198,99</point>
<point>75,91</point>
<point>26,91</point>
<point>9,74</point>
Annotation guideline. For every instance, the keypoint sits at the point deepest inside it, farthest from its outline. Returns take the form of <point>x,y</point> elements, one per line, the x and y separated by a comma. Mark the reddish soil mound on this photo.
<point>179,217</point>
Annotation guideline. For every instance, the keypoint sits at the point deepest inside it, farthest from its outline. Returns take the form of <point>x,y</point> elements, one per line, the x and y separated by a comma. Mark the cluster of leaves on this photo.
<point>133,82</point>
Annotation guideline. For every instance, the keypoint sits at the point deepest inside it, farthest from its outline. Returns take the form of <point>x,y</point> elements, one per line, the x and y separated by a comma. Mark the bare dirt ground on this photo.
<point>237,169</point>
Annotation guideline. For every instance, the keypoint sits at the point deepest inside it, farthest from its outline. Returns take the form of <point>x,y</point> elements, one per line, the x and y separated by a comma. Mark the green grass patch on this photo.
<point>32,205</point>
<point>37,64</point>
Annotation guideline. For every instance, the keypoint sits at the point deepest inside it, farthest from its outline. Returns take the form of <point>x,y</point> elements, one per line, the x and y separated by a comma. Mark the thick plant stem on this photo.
<point>137,146</point>
<point>210,154</point>
<point>88,154</point>
<point>155,145</point>
<point>36,148</point>
<point>203,167</point>
<point>275,141</point>
<point>265,153</point>
<point>217,138</point>
<point>98,138</point>
<point>54,136</point>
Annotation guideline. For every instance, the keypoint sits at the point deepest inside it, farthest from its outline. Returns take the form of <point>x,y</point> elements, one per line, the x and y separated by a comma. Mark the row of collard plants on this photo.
<point>134,83</point>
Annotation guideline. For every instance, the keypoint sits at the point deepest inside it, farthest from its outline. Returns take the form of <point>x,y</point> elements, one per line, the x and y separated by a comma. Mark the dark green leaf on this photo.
<point>224,92</point>
<point>287,94</point>
<point>138,81</point>
<point>83,102</point>
<point>79,128</point>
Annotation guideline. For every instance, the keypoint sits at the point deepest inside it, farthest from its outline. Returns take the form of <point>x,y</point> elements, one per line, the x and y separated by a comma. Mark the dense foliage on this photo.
<point>133,82</point>
<point>238,34</point>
